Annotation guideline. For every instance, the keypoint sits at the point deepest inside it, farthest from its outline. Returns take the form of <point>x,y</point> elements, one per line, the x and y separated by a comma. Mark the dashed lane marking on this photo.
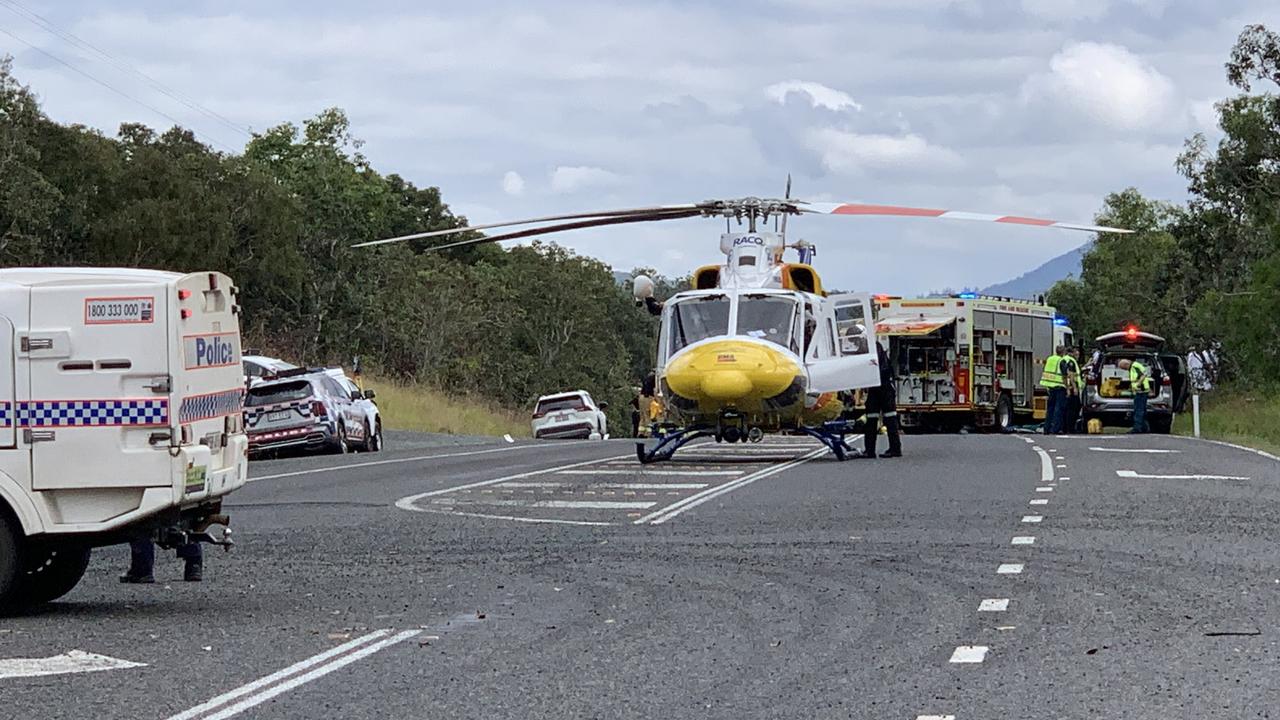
<point>1045,488</point>
<point>969,654</point>
<point>1024,540</point>
<point>994,605</point>
<point>1133,474</point>
<point>1040,501</point>
<point>1032,518</point>
<point>1010,569</point>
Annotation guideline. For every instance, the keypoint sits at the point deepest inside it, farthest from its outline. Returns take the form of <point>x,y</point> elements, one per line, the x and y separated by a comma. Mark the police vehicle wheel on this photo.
<point>52,571</point>
<point>1162,425</point>
<point>1004,413</point>
<point>11,546</point>
<point>374,443</point>
<point>342,446</point>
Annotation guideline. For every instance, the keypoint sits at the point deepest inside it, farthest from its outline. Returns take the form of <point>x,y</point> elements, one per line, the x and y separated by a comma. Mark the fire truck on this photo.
<point>969,360</point>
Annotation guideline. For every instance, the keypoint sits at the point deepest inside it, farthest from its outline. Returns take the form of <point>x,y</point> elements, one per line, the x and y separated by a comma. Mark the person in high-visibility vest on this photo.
<point>1074,379</point>
<point>1140,384</point>
<point>1052,380</point>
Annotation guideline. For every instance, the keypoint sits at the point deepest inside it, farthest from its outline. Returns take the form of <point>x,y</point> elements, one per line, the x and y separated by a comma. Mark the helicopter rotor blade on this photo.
<point>672,214</point>
<point>530,221</point>
<point>901,211</point>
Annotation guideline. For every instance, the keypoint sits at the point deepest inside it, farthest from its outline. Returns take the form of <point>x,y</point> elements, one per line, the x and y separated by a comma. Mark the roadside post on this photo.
<point>1195,413</point>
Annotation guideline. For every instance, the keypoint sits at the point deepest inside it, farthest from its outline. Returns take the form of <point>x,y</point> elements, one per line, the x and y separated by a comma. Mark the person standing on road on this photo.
<point>1074,380</point>
<point>142,562</point>
<point>1140,385</point>
<point>1052,380</point>
<point>881,404</point>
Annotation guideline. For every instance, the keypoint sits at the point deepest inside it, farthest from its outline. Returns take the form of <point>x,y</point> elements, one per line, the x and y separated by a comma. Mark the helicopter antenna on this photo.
<point>787,196</point>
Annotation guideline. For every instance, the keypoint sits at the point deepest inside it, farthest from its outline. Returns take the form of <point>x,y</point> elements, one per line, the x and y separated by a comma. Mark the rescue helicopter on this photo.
<point>757,345</point>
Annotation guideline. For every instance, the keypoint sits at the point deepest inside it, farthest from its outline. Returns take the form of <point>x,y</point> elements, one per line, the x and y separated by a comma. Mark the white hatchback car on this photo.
<point>570,415</point>
<point>363,402</point>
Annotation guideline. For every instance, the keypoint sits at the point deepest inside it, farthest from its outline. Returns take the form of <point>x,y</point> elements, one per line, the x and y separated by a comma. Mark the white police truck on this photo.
<point>120,417</point>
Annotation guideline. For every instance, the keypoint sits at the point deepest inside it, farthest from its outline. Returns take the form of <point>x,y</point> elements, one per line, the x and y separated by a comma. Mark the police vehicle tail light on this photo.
<point>185,313</point>
<point>1131,332</point>
<point>184,294</point>
<point>318,409</point>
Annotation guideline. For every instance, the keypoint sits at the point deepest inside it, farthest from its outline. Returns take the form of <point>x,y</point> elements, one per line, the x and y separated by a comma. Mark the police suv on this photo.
<point>120,398</point>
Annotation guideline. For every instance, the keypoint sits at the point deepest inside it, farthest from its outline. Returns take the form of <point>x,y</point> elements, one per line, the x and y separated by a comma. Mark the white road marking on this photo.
<point>1032,518</point>
<point>593,504</point>
<point>1024,540</point>
<point>1255,451</point>
<point>1044,489</point>
<point>289,680</point>
<point>71,662</point>
<point>1062,467</point>
<point>513,518</point>
<point>1057,457</point>
<point>652,486</point>
<point>680,506</point>
<point>396,461</point>
<point>1046,465</point>
<point>1064,478</point>
<point>1132,474</point>
<point>969,654</point>
<point>275,677</point>
<point>644,473</point>
<point>410,502</point>
<point>1149,451</point>
<point>1040,501</point>
<point>994,605</point>
<point>534,484</point>
<point>1009,569</point>
<point>508,438</point>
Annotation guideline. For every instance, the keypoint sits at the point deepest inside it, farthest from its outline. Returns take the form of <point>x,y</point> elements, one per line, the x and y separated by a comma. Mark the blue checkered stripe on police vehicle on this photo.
<point>213,405</point>
<point>86,413</point>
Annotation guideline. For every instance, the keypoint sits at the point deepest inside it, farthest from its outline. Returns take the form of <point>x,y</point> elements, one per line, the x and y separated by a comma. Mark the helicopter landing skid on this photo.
<point>832,434</point>
<point>668,443</point>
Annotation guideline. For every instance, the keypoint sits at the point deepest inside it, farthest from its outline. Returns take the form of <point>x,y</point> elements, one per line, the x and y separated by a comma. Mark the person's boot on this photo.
<point>135,579</point>
<point>895,438</point>
<point>194,572</point>
<point>869,437</point>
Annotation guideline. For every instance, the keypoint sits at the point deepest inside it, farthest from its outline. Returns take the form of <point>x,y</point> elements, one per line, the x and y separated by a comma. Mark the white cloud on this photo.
<point>568,179</point>
<point>1106,84</point>
<point>1204,113</point>
<point>820,96</point>
<point>850,152</point>
<point>512,183</point>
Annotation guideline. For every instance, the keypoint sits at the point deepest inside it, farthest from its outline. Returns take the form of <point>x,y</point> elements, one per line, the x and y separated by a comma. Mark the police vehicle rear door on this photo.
<point>99,368</point>
<point>842,355</point>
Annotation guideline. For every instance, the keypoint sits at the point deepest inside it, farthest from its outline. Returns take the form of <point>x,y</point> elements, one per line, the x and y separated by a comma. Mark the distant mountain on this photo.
<point>622,278</point>
<point>1038,281</point>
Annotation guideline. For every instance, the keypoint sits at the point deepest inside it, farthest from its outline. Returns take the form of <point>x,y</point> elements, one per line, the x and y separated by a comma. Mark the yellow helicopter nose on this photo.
<point>731,372</point>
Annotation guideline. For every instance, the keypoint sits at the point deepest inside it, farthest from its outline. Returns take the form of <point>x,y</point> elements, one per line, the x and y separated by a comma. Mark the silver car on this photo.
<point>304,410</point>
<point>1107,395</point>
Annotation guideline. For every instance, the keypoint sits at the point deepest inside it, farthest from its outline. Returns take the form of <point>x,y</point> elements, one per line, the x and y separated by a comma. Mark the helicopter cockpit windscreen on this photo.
<point>768,317</point>
<point>698,318</point>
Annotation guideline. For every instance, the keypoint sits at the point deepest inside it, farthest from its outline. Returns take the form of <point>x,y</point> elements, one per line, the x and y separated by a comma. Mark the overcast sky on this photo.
<point>1033,107</point>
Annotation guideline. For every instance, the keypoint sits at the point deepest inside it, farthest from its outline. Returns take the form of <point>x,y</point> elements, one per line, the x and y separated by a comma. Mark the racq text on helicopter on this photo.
<point>756,346</point>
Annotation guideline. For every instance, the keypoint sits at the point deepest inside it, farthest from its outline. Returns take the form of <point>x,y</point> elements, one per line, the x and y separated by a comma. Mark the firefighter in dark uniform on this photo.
<point>882,403</point>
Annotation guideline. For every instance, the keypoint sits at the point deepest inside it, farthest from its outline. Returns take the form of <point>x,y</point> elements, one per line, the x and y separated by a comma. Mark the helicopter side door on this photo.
<point>842,352</point>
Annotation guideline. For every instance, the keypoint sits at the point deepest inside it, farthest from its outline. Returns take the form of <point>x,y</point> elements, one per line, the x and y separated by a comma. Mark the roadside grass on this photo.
<point>423,409</point>
<point>1251,419</point>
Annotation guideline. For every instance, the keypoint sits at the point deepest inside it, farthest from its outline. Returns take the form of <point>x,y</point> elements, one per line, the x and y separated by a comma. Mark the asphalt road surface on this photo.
<point>977,577</point>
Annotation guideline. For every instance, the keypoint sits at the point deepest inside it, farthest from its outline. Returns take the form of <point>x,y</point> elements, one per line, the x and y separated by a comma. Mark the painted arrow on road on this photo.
<point>75,661</point>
